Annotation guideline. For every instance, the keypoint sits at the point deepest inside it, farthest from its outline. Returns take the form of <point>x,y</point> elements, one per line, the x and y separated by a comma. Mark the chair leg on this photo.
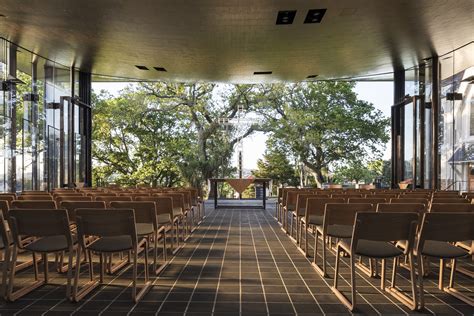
<point>410,302</point>
<point>344,300</point>
<point>421,291</point>
<point>11,295</point>
<point>138,295</point>
<point>78,294</point>
<point>69,273</point>
<point>6,263</point>
<point>321,271</point>
<point>454,292</point>
<point>306,239</point>
<point>441,274</point>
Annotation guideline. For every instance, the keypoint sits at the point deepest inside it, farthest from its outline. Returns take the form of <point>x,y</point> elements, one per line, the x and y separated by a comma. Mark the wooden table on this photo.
<point>240,185</point>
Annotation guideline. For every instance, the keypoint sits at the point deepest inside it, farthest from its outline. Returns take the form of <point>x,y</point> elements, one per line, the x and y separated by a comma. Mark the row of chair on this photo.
<point>374,228</point>
<point>109,225</point>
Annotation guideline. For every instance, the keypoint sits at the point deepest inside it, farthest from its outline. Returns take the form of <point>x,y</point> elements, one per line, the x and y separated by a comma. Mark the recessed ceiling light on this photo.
<point>285,17</point>
<point>314,16</point>
<point>312,76</point>
<point>142,67</point>
<point>262,73</point>
<point>160,69</point>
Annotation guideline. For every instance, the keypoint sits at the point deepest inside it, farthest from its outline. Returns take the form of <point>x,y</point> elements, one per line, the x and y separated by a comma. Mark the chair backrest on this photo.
<point>145,211</point>
<point>178,199</point>
<point>368,199</point>
<point>7,197</point>
<point>4,208</point>
<point>5,238</point>
<point>401,208</point>
<point>451,207</point>
<point>316,205</point>
<point>33,192</point>
<point>386,226</point>
<point>33,204</point>
<point>39,197</point>
<point>292,196</point>
<point>109,199</point>
<point>301,202</point>
<point>164,204</point>
<point>72,206</point>
<point>387,196</point>
<point>343,213</point>
<point>450,227</point>
<point>95,194</point>
<point>106,223</point>
<point>410,200</point>
<point>39,223</point>
<point>449,200</point>
<point>62,198</point>
<point>134,195</point>
<point>339,196</point>
<point>414,196</point>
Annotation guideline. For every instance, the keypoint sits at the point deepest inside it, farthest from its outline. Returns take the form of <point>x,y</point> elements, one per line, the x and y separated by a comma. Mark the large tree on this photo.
<point>323,123</point>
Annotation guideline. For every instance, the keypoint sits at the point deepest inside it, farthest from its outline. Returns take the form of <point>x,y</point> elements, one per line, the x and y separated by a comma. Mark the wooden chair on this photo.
<point>369,199</point>
<point>179,211</point>
<point>166,215</point>
<point>449,200</point>
<point>373,237</point>
<point>50,229</point>
<point>63,198</point>
<point>118,235</point>
<point>7,197</point>
<point>337,223</point>
<point>72,206</point>
<point>33,204</point>
<point>35,192</point>
<point>451,207</point>
<point>314,215</point>
<point>38,197</point>
<point>147,225</point>
<point>437,234</point>
<point>298,213</point>
<point>110,199</point>
<point>291,199</point>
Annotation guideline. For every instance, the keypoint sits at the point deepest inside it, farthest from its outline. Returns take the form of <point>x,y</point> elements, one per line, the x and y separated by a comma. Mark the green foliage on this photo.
<point>323,124</point>
<point>276,166</point>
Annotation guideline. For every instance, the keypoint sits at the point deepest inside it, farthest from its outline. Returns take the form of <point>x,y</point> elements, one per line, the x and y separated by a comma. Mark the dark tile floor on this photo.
<point>238,262</point>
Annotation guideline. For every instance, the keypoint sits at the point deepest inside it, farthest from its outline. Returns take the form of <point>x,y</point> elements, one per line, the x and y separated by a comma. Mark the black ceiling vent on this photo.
<point>142,67</point>
<point>315,16</point>
<point>311,76</point>
<point>262,73</point>
<point>160,69</point>
<point>285,17</point>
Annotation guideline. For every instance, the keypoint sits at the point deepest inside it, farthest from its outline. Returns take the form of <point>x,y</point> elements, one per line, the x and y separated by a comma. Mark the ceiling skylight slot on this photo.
<point>315,16</point>
<point>285,17</point>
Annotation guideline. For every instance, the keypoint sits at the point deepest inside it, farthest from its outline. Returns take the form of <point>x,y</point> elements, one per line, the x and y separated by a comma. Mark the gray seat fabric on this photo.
<point>163,218</point>
<point>377,249</point>
<point>290,207</point>
<point>144,229</point>
<point>340,231</point>
<point>441,249</point>
<point>177,211</point>
<point>111,244</point>
<point>48,244</point>
<point>316,220</point>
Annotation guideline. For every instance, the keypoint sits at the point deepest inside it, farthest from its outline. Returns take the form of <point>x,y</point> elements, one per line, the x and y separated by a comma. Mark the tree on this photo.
<point>323,124</point>
<point>276,166</point>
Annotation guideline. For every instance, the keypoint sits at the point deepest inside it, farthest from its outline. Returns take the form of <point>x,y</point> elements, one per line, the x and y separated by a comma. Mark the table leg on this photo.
<point>215,195</point>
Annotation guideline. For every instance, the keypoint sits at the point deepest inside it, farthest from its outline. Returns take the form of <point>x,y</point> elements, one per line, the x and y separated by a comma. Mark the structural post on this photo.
<point>85,93</point>
<point>435,103</point>
<point>398,127</point>
<point>12,99</point>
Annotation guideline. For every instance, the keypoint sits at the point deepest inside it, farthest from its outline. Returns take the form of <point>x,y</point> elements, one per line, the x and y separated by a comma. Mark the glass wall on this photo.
<point>40,122</point>
<point>456,120</point>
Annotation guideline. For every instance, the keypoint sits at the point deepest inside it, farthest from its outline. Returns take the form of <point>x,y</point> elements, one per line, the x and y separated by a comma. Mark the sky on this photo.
<point>380,94</point>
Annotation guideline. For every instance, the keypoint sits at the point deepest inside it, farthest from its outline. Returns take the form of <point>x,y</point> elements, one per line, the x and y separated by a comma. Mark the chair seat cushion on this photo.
<point>442,249</point>
<point>301,212</point>
<point>315,220</point>
<point>144,229</point>
<point>111,244</point>
<point>48,244</point>
<point>340,231</point>
<point>177,211</point>
<point>377,249</point>
<point>163,218</point>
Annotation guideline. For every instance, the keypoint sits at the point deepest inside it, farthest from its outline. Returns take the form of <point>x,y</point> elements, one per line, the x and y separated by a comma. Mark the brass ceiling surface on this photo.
<point>228,40</point>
